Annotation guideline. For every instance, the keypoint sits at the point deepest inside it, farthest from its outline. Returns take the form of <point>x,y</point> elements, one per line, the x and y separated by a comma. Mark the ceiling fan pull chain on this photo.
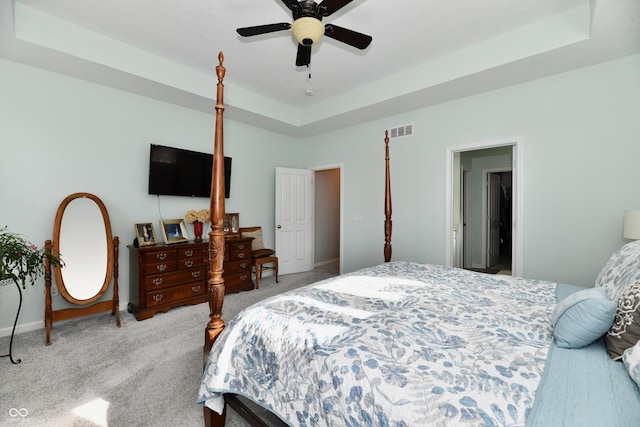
<point>309,90</point>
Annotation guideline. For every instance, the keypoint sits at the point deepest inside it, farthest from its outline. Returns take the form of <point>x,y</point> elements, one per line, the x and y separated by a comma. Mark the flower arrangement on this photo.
<point>200,216</point>
<point>20,260</point>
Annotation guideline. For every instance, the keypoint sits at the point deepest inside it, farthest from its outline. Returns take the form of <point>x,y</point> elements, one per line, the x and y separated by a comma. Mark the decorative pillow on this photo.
<point>582,317</point>
<point>257,242</point>
<point>621,270</point>
<point>631,359</point>
<point>625,331</point>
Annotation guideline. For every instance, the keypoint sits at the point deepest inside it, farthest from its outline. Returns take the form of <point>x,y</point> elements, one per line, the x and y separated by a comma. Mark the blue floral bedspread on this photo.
<point>399,344</point>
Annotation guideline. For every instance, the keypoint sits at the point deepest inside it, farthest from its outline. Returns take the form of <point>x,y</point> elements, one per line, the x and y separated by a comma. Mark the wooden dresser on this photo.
<point>237,264</point>
<point>167,276</point>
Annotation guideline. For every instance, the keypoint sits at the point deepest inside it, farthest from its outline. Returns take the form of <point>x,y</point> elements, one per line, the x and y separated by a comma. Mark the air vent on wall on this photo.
<point>401,131</point>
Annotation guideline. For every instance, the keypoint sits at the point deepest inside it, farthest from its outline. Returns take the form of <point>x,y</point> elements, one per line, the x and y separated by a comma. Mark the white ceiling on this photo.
<point>423,51</point>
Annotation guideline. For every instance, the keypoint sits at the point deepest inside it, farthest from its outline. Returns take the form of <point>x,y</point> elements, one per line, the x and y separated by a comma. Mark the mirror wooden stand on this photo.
<point>82,238</point>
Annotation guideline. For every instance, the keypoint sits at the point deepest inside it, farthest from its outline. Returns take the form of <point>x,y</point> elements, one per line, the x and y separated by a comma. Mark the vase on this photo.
<point>197,230</point>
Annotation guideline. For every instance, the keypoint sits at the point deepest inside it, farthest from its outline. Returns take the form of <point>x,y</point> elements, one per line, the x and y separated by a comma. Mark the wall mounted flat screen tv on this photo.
<point>180,172</point>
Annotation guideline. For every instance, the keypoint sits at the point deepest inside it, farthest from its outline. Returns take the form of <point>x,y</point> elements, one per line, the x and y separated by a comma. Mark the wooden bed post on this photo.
<point>215,282</point>
<point>387,202</point>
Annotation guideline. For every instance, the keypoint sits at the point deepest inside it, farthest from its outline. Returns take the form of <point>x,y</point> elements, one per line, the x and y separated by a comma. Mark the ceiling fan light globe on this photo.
<point>307,28</point>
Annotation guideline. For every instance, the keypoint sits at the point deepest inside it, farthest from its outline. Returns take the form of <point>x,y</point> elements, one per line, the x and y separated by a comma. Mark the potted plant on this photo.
<point>21,262</point>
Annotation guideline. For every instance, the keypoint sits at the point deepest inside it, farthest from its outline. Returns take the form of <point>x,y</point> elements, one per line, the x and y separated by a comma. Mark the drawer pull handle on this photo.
<point>243,265</point>
<point>195,274</point>
<point>188,253</point>
<point>241,255</point>
<point>161,255</point>
<point>158,281</point>
<point>188,263</point>
<point>157,297</point>
<point>161,267</point>
<point>243,277</point>
<point>195,289</point>
<point>240,246</point>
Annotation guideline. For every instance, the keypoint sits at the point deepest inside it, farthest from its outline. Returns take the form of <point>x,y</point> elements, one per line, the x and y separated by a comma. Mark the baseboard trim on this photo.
<point>321,263</point>
<point>24,327</point>
<point>39,324</point>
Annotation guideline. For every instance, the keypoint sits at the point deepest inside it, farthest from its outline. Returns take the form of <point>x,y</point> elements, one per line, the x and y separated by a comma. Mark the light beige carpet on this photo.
<point>146,373</point>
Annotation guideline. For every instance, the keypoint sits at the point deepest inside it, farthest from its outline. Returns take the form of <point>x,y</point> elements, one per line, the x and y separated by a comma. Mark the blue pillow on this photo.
<point>583,317</point>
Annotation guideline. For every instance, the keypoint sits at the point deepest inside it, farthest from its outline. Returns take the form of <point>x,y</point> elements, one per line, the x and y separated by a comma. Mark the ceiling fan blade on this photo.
<point>327,7</point>
<point>263,29</point>
<point>350,37</point>
<point>304,55</point>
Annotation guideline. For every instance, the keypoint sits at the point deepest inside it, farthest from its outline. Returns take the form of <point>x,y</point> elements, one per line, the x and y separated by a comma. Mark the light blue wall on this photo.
<point>61,135</point>
<point>581,142</point>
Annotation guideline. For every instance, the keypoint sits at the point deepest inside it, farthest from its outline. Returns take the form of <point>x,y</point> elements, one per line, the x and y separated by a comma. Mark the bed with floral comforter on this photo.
<point>399,344</point>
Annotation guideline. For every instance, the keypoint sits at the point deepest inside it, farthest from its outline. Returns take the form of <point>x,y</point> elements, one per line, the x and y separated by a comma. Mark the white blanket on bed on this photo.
<point>399,344</point>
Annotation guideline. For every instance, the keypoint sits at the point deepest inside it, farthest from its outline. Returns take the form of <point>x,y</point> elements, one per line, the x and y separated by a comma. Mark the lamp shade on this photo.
<point>631,225</point>
<point>307,28</point>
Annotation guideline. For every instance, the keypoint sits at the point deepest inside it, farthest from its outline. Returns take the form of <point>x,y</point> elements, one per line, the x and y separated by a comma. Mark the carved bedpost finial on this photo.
<point>387,202</point>
<point>220,70</point>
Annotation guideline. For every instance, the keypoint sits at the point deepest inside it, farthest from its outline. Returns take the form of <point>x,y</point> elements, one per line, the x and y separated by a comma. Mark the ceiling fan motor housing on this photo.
<point>309,8</point>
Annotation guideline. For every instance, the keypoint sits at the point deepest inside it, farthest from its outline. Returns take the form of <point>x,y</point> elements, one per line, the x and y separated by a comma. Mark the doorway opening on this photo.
<point>497,220</point>
<point>468,229</point>
<point>328,219</point>
<point>308,218</point>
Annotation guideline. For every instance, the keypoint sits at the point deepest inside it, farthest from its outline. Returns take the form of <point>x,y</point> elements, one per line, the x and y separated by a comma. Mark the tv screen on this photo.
<point>180,172</point>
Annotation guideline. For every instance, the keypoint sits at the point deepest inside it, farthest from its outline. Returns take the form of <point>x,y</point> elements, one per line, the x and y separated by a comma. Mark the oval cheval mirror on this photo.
<point>82,238</point>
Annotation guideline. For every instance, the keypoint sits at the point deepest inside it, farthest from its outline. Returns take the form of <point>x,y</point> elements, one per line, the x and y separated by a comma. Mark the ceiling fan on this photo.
<point>307,27</point>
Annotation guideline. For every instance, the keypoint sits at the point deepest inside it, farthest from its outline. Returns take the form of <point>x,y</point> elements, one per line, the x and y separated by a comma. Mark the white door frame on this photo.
<point>517,259</point>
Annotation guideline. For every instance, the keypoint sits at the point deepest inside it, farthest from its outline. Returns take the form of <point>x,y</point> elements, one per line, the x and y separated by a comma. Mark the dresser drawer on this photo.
<point>157,257</point>
<point>161,267</point>
<point>238,251</point>
<point>234,280</point>
<point>190,263</point>
<point>234,267</point>
<point>175,294</point>
<point>198,253</point>
<point>165,280</point>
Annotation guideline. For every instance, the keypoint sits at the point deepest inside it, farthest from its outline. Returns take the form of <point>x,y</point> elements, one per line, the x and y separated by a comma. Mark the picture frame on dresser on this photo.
<point>145,234</point>
<point>231,225</point>
<point>174,231</point>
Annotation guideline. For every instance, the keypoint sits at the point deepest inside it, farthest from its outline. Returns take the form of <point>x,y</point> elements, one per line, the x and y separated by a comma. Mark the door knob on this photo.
<point>279,226</point>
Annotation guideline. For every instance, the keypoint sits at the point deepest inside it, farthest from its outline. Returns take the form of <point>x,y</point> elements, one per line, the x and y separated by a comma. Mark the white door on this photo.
<point>294,220</point>
<point>493,219</point>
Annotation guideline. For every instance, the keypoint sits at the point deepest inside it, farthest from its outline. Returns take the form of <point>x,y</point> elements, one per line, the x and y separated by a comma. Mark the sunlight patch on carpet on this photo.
<point>94,411</point>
